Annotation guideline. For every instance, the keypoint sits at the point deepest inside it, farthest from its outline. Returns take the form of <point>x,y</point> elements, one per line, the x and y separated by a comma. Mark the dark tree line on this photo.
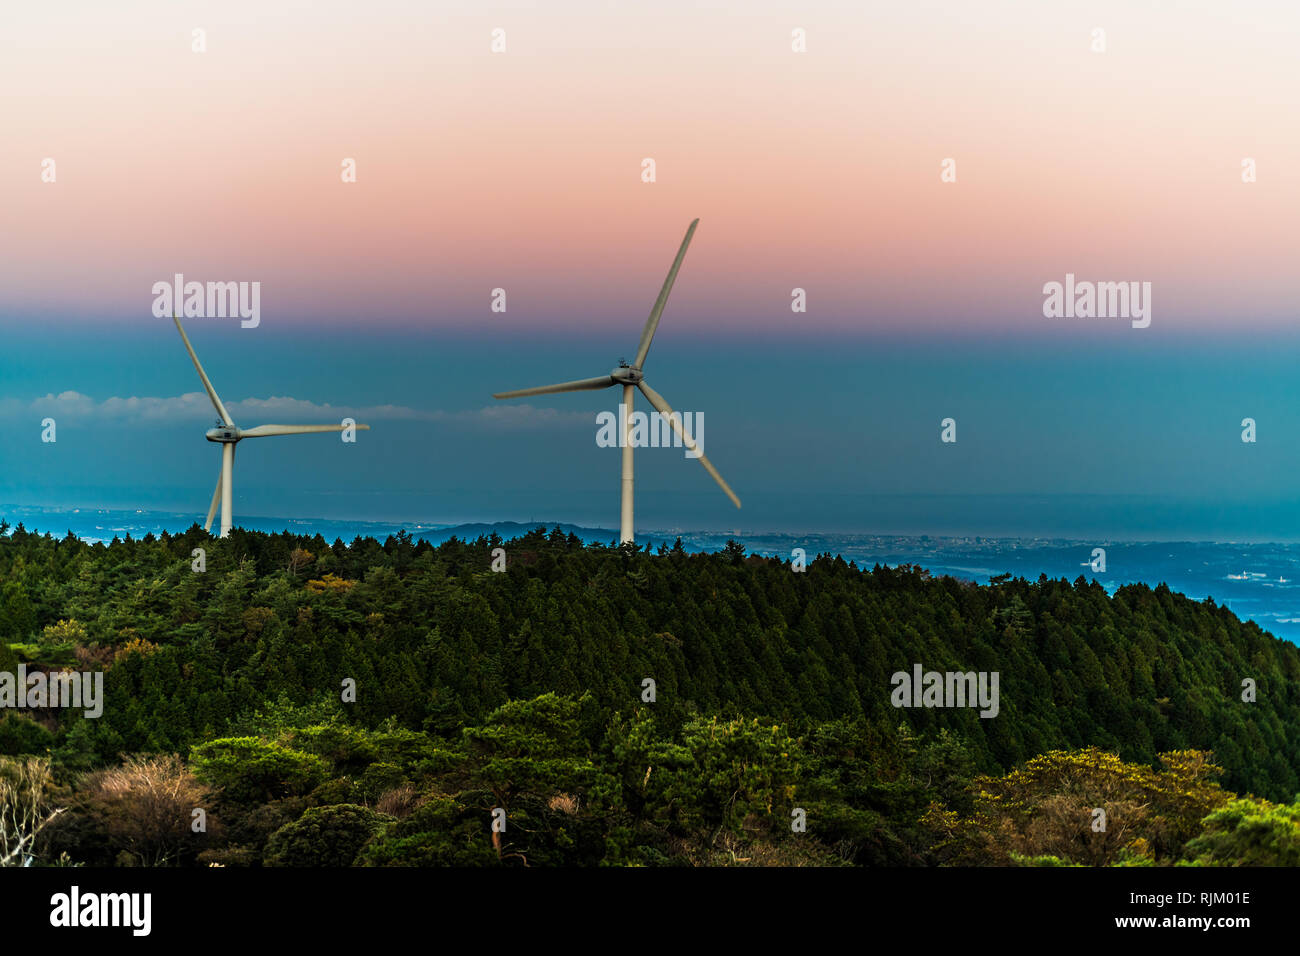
<point>435,643</point>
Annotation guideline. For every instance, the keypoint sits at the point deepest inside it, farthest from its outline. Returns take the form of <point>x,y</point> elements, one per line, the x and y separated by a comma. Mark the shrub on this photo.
<point>323,836</point>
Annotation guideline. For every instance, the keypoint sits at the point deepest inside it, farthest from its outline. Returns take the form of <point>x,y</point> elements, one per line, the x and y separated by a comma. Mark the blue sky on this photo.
<point>1123,435</point>
<point>919,170</point>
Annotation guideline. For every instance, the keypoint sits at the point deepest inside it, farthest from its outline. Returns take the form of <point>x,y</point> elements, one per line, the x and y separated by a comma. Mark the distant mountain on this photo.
<point>514,529</point>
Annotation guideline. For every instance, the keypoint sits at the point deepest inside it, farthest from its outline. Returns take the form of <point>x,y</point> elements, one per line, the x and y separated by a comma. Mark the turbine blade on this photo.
<point>652,323</point>
<point>263,431</point>
<point>212,392</point>
<point>216,498</point>
<point>666,411</point>
<point>582,385</point>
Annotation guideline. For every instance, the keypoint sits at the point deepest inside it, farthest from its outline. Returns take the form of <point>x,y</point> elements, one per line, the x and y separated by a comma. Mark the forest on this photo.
<point>281,700</point>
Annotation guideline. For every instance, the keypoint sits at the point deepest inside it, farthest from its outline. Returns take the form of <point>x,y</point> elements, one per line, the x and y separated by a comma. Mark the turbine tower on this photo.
<point>228,434</point>
<point>631,377</point>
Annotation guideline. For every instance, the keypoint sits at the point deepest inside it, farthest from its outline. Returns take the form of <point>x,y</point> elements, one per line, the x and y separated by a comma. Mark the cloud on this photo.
<point>279,409</point>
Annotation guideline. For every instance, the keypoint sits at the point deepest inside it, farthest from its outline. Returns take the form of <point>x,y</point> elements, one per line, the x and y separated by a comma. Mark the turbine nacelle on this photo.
<point>626,375</point>
<point>226,434</point>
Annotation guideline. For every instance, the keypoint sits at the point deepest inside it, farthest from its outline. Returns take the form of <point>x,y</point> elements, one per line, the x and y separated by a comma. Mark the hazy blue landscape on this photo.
<point>1257,581</point>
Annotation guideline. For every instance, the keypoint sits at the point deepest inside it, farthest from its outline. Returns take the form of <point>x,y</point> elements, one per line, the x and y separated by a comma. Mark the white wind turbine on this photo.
<point>631,377</point>
<point>228,434</point>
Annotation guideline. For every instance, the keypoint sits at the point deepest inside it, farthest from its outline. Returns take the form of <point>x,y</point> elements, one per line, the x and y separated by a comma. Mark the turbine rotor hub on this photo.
<point>225,434</point>
<point>626,375</point>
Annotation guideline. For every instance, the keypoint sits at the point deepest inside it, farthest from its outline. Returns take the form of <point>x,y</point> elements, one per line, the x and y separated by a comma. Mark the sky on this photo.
<point>522,170</point>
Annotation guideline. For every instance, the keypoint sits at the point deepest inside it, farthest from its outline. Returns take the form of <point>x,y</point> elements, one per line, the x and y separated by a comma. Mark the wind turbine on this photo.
<point>631,377</point>
<point>228,434</point>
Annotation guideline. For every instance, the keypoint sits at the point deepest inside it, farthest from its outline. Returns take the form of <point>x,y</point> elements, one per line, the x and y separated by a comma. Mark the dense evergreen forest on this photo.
<point>281,700</point>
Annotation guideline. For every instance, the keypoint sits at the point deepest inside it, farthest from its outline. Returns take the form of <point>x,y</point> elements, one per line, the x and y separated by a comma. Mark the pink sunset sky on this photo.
<point>522,169</point>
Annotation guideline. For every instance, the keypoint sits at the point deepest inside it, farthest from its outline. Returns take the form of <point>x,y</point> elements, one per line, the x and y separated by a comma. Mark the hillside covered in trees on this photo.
<point>375,703</point>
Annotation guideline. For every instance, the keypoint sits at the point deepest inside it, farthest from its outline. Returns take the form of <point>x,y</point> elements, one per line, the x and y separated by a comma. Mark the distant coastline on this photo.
<point>1257,581</point>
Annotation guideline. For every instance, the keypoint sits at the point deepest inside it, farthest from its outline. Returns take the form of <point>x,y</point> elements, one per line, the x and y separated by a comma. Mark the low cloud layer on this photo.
<point>278,409</point>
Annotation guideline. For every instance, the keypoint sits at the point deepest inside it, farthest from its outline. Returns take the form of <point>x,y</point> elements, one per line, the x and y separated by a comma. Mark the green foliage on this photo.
<point>522,691</point>
<point>251,647</point>
<point>868,787</point>
<point>714,775</point>
<point>381,777</point>
<point>442,832</point>
<point>250,770</point>
<point>17,615</point>
<point>323,836</point>
<point>1087,807</point>
<point>1041,861</point>
<point>19,734</point>
<point>1249,833</point>
<point>534,747</point>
